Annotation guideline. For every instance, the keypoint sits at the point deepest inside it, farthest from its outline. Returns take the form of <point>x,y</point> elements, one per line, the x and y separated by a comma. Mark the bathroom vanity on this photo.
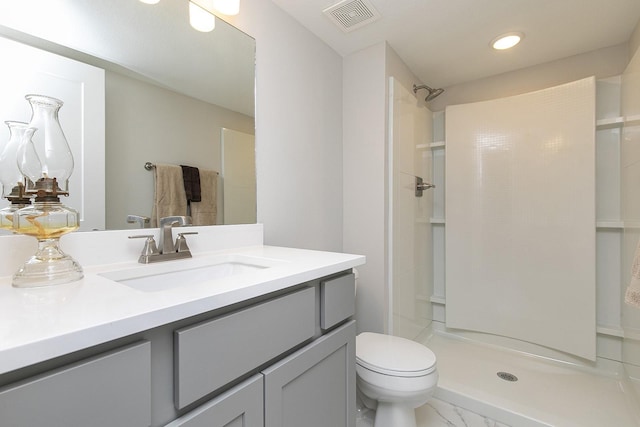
<point>272,345</point>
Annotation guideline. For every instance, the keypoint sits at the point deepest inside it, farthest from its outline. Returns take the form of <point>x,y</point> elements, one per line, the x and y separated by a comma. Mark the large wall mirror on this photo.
<point>140,85</point>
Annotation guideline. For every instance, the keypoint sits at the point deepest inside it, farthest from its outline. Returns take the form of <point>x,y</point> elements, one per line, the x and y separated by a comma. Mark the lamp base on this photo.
<point>48,266</point>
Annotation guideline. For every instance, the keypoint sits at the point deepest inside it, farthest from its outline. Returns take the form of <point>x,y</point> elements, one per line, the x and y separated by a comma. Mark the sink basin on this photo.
<point>172,274</point>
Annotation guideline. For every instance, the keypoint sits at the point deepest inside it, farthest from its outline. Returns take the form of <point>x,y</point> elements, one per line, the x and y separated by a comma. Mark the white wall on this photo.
<point>299,130</point>
<point>364,151</point>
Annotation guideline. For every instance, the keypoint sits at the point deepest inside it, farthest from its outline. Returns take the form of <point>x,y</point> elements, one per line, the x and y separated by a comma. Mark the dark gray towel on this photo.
<point>191,178</point>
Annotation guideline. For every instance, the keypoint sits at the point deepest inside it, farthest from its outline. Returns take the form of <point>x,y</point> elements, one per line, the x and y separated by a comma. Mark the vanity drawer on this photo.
<point>215,352</point>
<point>337,300</point>
<point>112,389</point>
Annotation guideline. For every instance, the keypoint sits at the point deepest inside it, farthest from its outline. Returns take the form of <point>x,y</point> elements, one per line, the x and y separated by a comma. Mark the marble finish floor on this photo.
<point>547,393</point>
<point>436,413</point>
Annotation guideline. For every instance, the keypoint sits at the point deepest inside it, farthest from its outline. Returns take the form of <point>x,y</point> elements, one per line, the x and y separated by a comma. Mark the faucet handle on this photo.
<point>181,242</point>
<point>150,247</point>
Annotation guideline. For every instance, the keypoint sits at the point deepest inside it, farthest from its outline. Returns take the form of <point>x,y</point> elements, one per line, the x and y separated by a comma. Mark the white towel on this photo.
<point>205,211</point>
<point>169,198</point>
<point>632,296</point>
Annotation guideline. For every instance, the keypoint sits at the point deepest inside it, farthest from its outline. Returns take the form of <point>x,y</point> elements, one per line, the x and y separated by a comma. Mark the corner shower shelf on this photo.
<point>437,220</point>
<point>610,123</point>
<point>437,144</point>
<point>438,300</point>
<point>614,331</point>
<point>632,120</point>
<point>609,224</point>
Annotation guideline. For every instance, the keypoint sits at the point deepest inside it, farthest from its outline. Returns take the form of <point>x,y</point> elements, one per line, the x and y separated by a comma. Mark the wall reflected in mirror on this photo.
<point>164,93</point>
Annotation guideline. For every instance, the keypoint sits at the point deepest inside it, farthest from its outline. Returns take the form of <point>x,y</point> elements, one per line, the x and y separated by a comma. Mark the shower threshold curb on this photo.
<point>485,409</point>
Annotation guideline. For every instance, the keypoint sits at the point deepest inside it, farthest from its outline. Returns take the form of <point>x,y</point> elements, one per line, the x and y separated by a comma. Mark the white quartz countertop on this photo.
<point>38,324</point>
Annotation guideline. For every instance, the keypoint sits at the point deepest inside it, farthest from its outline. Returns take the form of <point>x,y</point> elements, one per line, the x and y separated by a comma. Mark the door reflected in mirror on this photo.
<point>168,92</point>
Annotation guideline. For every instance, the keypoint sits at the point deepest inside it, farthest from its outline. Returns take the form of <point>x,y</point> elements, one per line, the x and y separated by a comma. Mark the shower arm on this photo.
<point>433,93</point>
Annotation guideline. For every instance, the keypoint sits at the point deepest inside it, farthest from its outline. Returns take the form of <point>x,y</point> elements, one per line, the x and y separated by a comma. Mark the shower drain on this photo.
<point>507,376</point>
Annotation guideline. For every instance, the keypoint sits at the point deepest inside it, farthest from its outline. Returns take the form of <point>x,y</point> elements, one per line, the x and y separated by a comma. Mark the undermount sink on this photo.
<point>172,274</point>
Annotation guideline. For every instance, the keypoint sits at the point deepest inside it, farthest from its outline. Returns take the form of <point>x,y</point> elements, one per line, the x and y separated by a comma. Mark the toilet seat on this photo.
<point>394,356</point>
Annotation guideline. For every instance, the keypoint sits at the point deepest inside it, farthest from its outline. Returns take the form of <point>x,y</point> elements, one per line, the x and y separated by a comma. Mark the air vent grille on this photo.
<point>352,14</point>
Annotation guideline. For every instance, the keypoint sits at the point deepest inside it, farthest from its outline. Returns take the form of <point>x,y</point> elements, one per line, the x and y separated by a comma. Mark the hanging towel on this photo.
<point>169,196</point>
<point>191,178</point>
<point>632,296</point>
<point>204,212</point>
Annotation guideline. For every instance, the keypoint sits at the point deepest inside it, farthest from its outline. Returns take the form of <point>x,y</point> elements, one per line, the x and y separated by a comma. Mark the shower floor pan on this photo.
<point>546,392</point>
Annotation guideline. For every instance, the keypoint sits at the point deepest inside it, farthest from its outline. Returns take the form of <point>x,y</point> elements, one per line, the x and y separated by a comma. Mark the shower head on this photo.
<point>433,93</point>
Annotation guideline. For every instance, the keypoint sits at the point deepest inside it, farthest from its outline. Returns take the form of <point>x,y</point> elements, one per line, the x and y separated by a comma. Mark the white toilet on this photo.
<point>394,376</point>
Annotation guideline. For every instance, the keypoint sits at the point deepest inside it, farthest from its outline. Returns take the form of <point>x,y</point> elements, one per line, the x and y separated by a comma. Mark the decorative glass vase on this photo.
<point>45,159</point>
<point>46,154</point>
<point>10,176</point>
<point>47,221</point>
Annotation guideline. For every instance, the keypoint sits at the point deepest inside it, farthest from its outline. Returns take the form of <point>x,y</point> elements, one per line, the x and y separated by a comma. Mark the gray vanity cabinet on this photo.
<point>314,386</point>
<point>110,389</point>
<point>285,359</point>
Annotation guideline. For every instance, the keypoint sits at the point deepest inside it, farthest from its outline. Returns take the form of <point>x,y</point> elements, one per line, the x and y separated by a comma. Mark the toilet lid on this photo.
<point>395,356</point>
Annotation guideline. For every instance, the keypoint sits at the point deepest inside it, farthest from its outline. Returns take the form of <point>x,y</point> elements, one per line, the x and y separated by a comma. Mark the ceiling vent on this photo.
<point>350,15</point>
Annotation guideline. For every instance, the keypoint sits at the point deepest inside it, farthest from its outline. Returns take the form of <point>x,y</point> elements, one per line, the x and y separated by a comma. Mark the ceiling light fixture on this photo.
<point>150,1</point>
<point>506,41</point>
<point>227,7</point>
<point>200,18</point>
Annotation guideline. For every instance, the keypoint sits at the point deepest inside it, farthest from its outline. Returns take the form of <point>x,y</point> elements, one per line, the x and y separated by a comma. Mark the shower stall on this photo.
<point>490,359</point>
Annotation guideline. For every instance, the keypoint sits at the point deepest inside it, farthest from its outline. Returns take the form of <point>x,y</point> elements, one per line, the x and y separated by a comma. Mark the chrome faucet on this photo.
<point>142,221</point>
<point>167,250</point>
<point>166,236</point>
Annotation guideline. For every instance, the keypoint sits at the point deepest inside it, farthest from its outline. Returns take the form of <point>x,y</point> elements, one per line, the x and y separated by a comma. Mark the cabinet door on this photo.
<point>242,406</point>
<point>316,386</point>
<point>113,389</point>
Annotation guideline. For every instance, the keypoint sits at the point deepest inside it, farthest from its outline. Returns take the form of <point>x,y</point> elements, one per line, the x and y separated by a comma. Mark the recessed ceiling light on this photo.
<point>506,41</point>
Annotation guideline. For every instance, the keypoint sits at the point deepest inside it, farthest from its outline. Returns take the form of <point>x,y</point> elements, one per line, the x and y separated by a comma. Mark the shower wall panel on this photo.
<point>630,176</point>
<point>520,233</point>
<point>410,255</point>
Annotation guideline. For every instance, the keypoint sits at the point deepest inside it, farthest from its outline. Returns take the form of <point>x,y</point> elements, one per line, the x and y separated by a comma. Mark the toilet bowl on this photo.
<point>394,376</point>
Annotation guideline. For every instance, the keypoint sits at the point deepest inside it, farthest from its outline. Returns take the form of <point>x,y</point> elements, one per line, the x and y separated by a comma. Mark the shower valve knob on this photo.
<point>421,186</point>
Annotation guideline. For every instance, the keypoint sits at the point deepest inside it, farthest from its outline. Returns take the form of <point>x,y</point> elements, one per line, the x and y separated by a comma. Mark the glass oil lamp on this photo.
<point>45,160</point>
<point>11,178</point>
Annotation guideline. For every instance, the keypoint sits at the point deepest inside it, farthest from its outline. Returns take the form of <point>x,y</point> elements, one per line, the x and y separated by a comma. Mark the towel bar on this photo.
<point>151,166</point>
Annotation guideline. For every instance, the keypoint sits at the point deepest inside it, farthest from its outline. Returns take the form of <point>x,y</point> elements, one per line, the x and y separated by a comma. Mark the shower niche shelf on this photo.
<point>609,224</point>
<point>610,123</point>
<point>431,145</point>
